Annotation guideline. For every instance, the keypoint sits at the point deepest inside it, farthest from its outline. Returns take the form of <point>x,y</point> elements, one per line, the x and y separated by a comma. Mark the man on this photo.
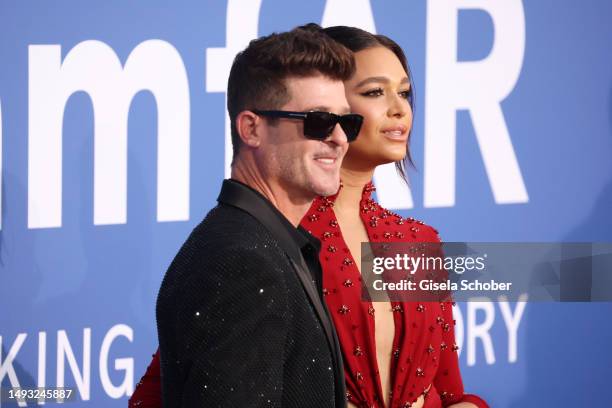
<point>240,320</point>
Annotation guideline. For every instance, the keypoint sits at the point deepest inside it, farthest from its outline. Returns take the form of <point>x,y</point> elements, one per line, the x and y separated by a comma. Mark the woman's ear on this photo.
<point>249,129</point>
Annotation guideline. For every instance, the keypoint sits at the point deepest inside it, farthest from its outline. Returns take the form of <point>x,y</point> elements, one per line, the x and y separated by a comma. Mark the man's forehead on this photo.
<point>314,83</point>
<point>318,93</point>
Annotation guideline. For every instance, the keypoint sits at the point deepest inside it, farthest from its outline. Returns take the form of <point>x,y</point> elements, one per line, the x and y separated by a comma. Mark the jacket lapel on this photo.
<point>324,317</point>
<point>311,291</point>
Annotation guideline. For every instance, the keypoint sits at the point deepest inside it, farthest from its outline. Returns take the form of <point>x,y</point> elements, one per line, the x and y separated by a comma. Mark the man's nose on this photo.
<point>338,136</point>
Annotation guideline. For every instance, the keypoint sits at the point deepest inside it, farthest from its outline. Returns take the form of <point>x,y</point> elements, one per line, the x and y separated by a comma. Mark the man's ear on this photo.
<point>249,128</point>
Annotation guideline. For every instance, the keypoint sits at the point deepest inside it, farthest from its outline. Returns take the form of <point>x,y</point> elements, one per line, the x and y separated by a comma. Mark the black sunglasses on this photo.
<point>319,125</point>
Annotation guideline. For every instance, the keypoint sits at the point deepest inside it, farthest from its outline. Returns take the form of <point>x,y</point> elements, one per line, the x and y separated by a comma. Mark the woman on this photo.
<point>395,354</point>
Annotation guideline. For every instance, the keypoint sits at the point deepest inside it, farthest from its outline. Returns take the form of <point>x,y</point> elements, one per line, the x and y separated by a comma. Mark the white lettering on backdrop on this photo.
<point>477,86</point>
<point>93,67</point>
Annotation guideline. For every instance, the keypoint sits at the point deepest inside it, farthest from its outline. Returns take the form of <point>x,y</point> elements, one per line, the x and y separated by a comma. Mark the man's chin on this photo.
<point>327,189</point>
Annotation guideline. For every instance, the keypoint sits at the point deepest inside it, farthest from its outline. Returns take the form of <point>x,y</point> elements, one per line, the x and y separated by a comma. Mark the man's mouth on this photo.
<point>326,160</point>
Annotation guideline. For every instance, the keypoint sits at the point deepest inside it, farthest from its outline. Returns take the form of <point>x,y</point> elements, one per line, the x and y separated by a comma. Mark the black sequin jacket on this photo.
<point>240,321</point>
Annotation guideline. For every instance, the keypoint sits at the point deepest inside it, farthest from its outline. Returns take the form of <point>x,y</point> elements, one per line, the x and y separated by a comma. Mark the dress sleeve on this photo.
<point>148,391</point>
<point>448,377</point>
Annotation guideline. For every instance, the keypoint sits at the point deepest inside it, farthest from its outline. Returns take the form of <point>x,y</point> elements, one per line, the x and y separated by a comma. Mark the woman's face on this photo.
<point>379,91</point>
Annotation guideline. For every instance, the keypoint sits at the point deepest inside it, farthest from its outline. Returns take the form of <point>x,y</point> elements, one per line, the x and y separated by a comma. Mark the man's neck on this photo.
<point>292,205</point>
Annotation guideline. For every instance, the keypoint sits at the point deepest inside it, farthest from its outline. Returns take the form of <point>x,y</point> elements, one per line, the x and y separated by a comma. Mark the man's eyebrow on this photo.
<point>343,110</point>
<point>319,108</point>
<point>380,79</point>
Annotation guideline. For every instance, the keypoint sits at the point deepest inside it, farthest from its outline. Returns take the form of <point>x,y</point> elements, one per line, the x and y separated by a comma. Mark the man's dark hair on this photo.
<point>258,74</point>
<point>356,39</point>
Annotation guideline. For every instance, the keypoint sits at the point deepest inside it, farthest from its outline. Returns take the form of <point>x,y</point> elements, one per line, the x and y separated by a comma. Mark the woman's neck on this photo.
<point>350,194</point>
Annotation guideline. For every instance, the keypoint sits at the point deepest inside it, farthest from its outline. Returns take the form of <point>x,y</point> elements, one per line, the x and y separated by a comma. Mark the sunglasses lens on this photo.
<point>351,124</point>
<point>319,125</point>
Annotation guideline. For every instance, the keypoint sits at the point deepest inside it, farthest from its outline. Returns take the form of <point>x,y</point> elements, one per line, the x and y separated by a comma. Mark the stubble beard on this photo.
<point>328,187</point>
<point>304,179</point>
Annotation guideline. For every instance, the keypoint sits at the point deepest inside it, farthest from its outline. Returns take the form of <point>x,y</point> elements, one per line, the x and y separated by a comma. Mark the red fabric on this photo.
<point>424,349</point>
<point>148,391</point>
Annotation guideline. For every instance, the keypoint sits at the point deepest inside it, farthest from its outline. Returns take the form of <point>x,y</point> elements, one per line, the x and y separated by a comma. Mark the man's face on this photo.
<point>301,166</point>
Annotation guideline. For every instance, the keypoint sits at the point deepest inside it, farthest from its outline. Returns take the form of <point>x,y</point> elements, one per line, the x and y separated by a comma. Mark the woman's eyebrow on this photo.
<point>379,79</point>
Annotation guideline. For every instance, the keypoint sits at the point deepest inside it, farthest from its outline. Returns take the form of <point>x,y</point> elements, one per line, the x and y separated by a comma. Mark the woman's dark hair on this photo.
<point>356,39</point>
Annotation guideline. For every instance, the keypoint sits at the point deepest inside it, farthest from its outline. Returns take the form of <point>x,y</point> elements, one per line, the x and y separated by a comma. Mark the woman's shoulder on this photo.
<point>382,224</point>
<point>401,228</point>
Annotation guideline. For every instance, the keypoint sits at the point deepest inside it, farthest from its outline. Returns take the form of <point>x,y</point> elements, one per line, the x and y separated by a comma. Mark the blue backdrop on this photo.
<point>512,142</point>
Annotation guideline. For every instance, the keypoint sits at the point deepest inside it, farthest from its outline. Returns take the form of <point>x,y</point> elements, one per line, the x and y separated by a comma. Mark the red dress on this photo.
<point>425,354</point>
